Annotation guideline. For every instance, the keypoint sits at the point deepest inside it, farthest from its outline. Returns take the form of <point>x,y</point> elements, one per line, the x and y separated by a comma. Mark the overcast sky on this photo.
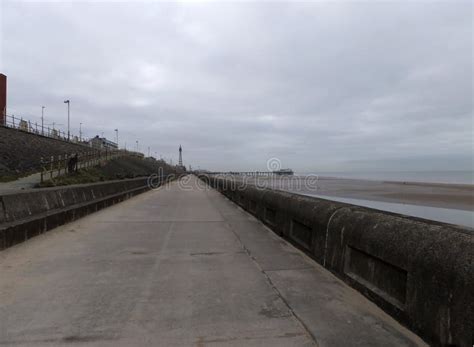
<point>321,86</point>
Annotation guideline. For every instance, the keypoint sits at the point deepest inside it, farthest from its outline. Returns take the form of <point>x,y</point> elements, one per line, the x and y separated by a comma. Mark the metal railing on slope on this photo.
<point>19,123</point>
<point>55,166</point>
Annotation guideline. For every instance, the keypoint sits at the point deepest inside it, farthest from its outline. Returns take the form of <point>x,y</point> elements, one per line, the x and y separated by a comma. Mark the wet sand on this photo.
<point>451,196</point>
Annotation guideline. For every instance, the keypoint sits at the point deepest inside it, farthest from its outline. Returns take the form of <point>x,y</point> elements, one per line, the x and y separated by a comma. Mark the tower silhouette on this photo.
<point>180,156</point>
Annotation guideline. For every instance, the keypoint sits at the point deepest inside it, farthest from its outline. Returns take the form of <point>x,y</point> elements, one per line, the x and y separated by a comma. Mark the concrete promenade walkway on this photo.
<point>179,267</point>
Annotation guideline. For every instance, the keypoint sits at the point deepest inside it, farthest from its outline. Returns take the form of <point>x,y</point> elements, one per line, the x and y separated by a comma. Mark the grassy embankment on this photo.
<point>21,152</point>
<point>120,168</point>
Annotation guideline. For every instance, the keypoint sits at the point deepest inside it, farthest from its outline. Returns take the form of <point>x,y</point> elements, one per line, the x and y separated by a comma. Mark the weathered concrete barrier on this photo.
<point>26,214</point>
<point>419,271</point>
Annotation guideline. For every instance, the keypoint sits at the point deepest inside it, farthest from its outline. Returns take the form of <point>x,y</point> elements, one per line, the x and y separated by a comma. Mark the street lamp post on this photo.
<point>68,118</point>
<point>116,137</point>
<point>137,145</point>
<point>80,132</point>
<point>42,120</point>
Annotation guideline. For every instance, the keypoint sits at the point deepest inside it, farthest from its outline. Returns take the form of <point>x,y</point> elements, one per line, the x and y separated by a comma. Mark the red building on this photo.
<point>3,98</point>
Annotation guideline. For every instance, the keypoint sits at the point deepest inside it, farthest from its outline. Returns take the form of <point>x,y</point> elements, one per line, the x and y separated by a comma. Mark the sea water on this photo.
<point>446,215</point>
<point>453,177</point>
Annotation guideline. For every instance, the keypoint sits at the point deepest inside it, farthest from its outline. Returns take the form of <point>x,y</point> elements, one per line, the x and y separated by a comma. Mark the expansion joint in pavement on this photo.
<point>290,269</point>
<point>275,289</point>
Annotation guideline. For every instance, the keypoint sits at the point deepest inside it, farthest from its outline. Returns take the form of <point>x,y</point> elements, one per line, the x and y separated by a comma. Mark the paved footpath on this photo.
<point>30,181</point>
<point>179,267</point>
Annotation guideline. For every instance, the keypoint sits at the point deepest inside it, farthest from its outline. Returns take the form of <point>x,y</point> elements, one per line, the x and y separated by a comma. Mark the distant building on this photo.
<point>283,172</point>
<point>102,143</point>
<point>23,125</point>
<point>137,154</point>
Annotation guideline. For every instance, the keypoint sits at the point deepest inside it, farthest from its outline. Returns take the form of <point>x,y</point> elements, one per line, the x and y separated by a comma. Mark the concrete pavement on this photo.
<point>180,266</point>
<point>21,183</point>
<point>27,182</point>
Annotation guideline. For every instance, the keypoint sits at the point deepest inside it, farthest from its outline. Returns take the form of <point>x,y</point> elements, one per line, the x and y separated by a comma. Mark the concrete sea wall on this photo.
<point>420,272</point>
<point>29,213</point>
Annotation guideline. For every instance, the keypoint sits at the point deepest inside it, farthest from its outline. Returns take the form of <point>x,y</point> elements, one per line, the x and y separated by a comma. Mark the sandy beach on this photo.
<point>450,196</point>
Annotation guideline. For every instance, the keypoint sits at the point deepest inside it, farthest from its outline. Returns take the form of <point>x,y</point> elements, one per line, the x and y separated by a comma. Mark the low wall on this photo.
<point>419,271</point>
<point>26,214</point>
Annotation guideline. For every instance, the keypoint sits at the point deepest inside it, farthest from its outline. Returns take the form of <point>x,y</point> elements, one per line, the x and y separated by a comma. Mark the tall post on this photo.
<point>68,119</point>
<point>80,132</point>
<point>116,138</point>
<point>3,99</point>
<point>42,120</point>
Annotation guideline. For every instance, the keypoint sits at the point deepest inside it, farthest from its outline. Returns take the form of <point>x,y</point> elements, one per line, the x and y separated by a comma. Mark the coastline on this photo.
<point>415,183</point>
<point>442,195</point>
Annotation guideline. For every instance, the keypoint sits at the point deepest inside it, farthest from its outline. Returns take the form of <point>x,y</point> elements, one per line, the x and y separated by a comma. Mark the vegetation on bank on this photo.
<point>119,168</point>
<point>21,152</point>
<point>90,175</point>
<point>9,178</point>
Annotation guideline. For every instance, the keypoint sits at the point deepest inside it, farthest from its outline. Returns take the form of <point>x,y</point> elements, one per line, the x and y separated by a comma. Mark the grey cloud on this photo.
<point>335,85</point>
